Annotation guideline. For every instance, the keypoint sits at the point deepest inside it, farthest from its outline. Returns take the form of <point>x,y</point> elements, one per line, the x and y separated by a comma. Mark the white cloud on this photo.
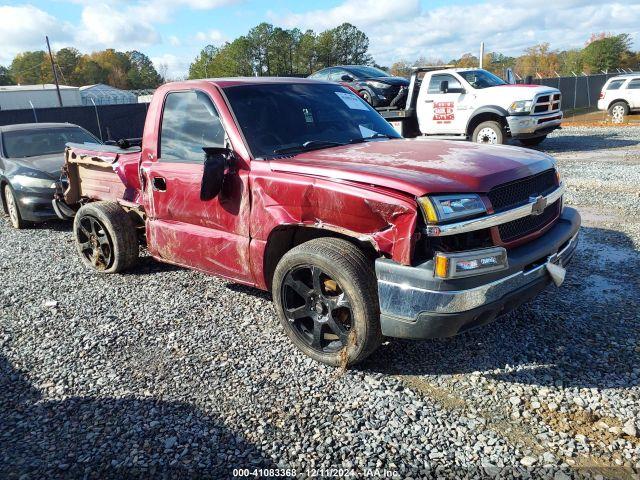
<point>107,26</point>
<point>213,37</point>
<point>407,32</point>
<point>361,12</point>
<point>174,41</point>
<point>176,67</point>
<point>24,28</point>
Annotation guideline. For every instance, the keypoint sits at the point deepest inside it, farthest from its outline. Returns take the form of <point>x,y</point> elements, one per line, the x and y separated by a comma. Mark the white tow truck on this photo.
<point>474,104</point>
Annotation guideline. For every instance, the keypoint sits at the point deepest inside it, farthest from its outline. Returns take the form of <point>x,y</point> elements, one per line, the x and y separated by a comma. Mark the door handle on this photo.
<point>428,101</point>
<point>159,184</point>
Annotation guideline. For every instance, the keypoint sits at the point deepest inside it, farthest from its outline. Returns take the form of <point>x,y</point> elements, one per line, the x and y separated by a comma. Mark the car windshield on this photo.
<point>481,79</point>
<point>367,72</point>
<point>286,118</point>
<point>38,141</point>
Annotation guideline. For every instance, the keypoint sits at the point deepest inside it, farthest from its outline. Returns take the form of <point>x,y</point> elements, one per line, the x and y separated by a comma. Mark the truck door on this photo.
<point>209,235</point>
<point>439,102</point>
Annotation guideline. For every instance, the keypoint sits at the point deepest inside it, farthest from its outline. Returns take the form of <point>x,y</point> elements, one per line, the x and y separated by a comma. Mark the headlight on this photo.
<point>379,85</point>
<point>521,106</point>
<point>33,182</point>
<point>442,208</point>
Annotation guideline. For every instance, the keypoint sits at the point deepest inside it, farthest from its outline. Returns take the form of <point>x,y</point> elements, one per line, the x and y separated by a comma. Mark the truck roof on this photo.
<point>235,81</point>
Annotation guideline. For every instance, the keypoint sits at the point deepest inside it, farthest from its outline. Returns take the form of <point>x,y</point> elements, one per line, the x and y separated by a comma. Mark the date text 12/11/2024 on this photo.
<point>315,473</point>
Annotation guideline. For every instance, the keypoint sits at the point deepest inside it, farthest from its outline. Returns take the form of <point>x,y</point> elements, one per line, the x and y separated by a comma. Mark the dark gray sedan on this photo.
<point>31,159</point>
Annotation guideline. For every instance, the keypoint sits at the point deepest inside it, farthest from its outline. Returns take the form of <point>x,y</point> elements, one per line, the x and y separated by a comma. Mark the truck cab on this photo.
<point>300,188</point>
<point>474,104</point>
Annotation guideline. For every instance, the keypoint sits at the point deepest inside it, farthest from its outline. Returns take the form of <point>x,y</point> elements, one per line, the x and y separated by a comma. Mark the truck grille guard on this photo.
<point>535,206</point>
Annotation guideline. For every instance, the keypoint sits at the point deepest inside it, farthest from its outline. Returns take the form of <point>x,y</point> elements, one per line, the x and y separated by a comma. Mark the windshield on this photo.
<point>38,141</point>
<point>367,72</point>
<point>282,117</point>
<point>481,79</point>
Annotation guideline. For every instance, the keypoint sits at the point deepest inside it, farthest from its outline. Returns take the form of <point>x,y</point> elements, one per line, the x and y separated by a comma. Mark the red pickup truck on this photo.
<point>299,187</point>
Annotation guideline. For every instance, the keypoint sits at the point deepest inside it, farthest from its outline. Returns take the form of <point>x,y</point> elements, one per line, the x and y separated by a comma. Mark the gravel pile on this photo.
<point>168,373</point>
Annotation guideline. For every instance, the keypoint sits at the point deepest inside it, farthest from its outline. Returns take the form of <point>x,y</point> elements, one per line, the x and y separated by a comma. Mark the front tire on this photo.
<point>12,208</point>
<point>106,237</point>
<point>488,133</point>
<point>326,296</point>
<point>532,142</point>
<point>618,111</point>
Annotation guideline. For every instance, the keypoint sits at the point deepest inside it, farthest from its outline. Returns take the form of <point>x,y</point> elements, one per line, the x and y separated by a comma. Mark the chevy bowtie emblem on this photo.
<point>539,203</point>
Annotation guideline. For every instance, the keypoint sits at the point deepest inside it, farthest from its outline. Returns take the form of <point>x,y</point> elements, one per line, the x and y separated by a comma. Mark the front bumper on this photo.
<point>415,304</point>
<point>531,126</point>
<point>34,204</point>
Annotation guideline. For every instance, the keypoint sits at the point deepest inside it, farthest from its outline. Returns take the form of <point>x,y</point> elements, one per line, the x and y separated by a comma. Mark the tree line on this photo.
<point>125,70</point>
<point>273,51</point>
<point>267,50</point>
<point>602,53</point>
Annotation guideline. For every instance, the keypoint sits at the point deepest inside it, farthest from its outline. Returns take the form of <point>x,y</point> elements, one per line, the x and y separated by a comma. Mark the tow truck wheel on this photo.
<point>532,142</point>
<point>106,237</point>
<point>366,96</point>
<point>12,208</point>
<point>618,111</point>
<point>489,132</point>
<point>327,301</point>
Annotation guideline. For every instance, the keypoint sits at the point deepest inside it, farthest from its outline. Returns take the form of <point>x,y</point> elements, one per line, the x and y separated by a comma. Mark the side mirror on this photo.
<point>347,78</point>
<point>216,161</point>
<point>444,86</point>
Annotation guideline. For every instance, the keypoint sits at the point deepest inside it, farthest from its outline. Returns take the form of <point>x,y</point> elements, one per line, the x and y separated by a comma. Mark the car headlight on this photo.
<point>521,106</point>
<point>379,85</point>
<point>443,208</point>
<point>33,182</point>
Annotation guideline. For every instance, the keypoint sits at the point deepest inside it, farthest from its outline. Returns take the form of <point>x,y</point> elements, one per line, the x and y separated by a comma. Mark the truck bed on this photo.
<point>102,172</point>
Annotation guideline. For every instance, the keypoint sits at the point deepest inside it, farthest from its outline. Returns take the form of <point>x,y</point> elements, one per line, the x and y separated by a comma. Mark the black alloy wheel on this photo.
<point>317,307</point>
<point>94,242</point>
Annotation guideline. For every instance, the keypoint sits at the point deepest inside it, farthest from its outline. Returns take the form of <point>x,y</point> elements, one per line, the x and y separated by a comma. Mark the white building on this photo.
<point>18,97</point>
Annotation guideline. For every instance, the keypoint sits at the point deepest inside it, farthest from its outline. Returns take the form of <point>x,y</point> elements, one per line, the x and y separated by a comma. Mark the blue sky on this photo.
<point>172,32</point>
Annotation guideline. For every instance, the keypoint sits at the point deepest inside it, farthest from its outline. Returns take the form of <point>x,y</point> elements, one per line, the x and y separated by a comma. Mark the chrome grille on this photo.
<point>547,103</point>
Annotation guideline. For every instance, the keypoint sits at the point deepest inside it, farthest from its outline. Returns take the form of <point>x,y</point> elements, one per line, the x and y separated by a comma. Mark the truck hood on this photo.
<point>418,167</point>
<point>511,93</point>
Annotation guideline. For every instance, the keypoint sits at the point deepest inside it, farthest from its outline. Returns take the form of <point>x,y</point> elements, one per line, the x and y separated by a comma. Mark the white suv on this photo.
<point>620,95</point>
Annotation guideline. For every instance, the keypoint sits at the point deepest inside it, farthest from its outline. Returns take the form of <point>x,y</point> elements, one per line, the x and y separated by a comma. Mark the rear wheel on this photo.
<point>12,208</point>
<point>326,297</point>
<point>618,111</point>
<point>490,133</point>
<point>532,142</point>
<point>366,96</point>
<point>106,237</point>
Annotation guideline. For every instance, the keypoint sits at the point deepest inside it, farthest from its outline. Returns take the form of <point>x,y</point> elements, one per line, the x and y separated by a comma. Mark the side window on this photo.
<point>634,84</point>
<point>336,75</point>
<point>434,83</point>
<point>615,85</point>
<point>190,121</point>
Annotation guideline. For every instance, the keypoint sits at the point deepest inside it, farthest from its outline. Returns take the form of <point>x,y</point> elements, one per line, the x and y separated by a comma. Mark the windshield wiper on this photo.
<point>372,137</point>
<point>307,146</point>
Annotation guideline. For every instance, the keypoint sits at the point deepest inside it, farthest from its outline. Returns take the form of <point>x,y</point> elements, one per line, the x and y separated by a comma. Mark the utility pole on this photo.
<point>481,55</point>
<point>53,69</point>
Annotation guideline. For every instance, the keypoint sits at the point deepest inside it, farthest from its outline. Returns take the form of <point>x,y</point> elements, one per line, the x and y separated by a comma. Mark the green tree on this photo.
<point>201,66</point>
<point>142,73</point>
<point>570,62</point>
<point>5,76</point>
<point>539,59</point>
<point>89,72</point>
<point>606,52</point>
<point>350,45</point>
<point>67,60</point>
<point>30,68</point>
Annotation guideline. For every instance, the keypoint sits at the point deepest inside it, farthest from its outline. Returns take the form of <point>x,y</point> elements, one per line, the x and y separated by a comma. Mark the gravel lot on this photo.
<point>165,372</point>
